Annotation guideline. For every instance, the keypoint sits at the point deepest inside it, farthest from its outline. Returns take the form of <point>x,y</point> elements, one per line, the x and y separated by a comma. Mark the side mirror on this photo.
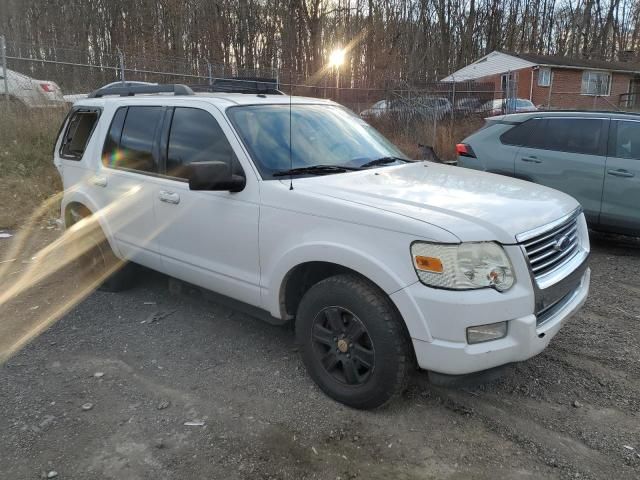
<point>214,176</point>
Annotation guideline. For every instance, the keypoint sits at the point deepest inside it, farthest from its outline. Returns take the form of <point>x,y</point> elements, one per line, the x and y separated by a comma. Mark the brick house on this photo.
<point>557,82</point>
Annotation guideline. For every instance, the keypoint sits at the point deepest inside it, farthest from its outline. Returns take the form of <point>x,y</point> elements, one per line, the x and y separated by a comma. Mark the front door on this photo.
<point>621,196</point>
<point>207,238</point>
<point>569,156</point>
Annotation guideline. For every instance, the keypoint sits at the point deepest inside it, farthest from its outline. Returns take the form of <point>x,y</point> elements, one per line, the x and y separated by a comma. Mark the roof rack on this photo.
<point>617,112</point>
<point>260,86</point>
<point>131,90</point>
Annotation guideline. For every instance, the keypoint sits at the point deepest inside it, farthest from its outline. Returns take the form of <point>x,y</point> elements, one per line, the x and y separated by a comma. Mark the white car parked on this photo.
<point>28,92</point>
<point>301,210</point>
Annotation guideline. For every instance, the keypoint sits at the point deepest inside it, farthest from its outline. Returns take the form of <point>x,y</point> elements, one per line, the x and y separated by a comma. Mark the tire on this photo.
<point>99,258</point>
<point>353,342</point>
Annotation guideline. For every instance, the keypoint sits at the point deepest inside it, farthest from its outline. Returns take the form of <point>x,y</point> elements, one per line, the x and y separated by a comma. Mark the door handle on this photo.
<point>98,181</point>
<point>620,173</point>
<point>531,159</point>
<point>169,197</point>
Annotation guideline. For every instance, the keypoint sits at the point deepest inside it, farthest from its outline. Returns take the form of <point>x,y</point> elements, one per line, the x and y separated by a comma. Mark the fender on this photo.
<point>361,262</point>
<point>78,196</point>
<point>340,254</point>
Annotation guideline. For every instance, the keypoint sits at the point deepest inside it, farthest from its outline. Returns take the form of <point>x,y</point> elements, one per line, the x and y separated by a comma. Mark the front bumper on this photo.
<point>446,351</point>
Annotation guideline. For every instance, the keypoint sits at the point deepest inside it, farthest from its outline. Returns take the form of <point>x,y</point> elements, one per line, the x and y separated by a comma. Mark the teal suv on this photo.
<point>592,156</point>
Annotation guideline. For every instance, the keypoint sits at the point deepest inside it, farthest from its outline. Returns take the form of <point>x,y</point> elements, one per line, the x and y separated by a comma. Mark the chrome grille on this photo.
<point>550,250</point>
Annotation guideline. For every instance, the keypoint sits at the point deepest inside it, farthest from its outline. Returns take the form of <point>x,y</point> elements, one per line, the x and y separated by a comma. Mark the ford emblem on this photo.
<point>561,243</point>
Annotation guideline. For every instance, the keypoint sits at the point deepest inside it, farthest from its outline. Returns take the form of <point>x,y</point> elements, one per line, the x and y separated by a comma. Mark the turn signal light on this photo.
<point>429,264</point>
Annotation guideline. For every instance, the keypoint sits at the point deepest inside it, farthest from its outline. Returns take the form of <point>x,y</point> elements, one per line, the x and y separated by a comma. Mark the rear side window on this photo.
<point>195,136</point>
<point>131,137</point>
<point>77,135</point>
<point>626,140</point>
<point>110,153</point>
<point>574,135</point>
<point>526,134</point>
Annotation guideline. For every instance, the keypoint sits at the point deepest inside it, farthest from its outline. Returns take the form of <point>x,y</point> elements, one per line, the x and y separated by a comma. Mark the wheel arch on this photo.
<point>77,200</point>
<point>309,264</point>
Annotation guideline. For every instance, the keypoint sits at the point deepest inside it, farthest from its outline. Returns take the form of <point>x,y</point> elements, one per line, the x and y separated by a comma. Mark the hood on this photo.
<point>472,205</point>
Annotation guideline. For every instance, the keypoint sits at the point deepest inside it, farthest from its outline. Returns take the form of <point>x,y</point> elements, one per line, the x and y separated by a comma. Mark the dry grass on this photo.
<point>27,174</point>
<point>408,136</point>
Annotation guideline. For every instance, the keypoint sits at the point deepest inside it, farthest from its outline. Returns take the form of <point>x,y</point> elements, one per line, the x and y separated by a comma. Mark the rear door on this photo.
<point>568,154</point>
<point>125,183</point>
<point>621,196</point>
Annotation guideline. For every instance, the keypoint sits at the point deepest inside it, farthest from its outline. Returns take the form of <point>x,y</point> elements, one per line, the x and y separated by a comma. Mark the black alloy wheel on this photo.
<point>342,342</point>
<point>353,341</point>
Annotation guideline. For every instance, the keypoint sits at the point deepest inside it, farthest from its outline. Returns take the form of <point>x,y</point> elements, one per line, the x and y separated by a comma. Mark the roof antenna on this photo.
<point>290,94</point>
<point>290,140</point>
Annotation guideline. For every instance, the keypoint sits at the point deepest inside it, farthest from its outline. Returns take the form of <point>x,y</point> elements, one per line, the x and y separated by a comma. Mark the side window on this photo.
<point>77,135</point>
<point>575,135</point>
<point>110,155</point>
<point>626,141</point>
<point>527,134</point>
<point>195,136</point>
<point>130,141</point>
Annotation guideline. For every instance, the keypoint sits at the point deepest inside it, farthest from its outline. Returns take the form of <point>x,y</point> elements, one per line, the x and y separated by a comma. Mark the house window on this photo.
<point>544,77</point>
<point>596,83</point>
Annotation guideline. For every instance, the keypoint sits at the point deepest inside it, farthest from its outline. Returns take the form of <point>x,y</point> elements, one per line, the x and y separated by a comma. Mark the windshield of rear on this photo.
<point>320,134</point>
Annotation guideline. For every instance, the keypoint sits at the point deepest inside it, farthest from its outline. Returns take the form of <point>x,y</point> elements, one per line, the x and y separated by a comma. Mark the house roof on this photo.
<point>501,62</point>
<point>559,61</point>
<point>491,64</point>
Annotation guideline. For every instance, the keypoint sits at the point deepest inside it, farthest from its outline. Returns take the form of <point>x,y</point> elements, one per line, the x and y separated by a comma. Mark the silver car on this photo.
<point>593,156</point>
<point>28,92</point>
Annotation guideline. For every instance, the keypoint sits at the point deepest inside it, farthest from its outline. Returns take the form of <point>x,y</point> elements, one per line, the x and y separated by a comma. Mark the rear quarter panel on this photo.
<point>491,155</point>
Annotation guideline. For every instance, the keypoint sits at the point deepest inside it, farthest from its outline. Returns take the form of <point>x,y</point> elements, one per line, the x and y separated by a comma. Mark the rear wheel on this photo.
<point>96,259</point>
<point>353,342</point>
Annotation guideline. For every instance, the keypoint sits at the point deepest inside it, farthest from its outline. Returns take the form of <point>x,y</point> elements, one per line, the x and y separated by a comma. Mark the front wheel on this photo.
<point>353,342</point>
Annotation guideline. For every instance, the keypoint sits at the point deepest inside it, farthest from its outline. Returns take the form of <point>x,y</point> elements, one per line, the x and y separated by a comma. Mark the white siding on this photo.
<point>491,64</point>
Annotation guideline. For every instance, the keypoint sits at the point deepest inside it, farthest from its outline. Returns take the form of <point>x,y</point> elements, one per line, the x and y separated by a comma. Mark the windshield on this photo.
<point>322,135</point>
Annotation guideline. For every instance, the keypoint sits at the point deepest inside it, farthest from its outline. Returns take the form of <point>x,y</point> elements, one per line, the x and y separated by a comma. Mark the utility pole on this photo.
<point>3,54</point>
<point>121,60</point>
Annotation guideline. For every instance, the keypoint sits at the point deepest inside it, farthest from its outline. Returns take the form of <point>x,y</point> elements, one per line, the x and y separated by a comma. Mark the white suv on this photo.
<point>299,209</point>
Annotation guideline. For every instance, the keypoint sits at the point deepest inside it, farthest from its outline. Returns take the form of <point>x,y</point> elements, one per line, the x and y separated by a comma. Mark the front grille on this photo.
<point>550,250</point>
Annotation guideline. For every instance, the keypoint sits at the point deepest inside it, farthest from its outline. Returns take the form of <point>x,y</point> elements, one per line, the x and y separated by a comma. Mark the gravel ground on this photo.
<point>109,390</point>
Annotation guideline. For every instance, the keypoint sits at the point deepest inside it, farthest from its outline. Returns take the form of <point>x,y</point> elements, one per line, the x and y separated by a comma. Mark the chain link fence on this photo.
<point>418,116</point>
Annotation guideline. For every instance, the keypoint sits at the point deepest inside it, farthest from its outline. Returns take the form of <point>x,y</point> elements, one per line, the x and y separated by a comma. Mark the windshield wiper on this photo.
<point>317,169</point>
<point>384,161</point>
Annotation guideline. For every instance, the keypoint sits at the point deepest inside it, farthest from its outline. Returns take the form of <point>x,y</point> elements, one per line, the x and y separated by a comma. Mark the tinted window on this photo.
<point>576,135</point>
<point>110,151</point>
<point>135,149</point>
<point>78,134</point>
<point>195,137</point>
<point>527,134</point>
<point>627,140</point>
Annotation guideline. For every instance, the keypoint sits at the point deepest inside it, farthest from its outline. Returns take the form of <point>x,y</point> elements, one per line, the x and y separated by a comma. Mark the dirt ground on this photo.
<point>108,391</point>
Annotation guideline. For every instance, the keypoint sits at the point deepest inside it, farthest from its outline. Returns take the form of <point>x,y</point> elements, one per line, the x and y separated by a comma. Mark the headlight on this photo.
<point>462,266</point>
